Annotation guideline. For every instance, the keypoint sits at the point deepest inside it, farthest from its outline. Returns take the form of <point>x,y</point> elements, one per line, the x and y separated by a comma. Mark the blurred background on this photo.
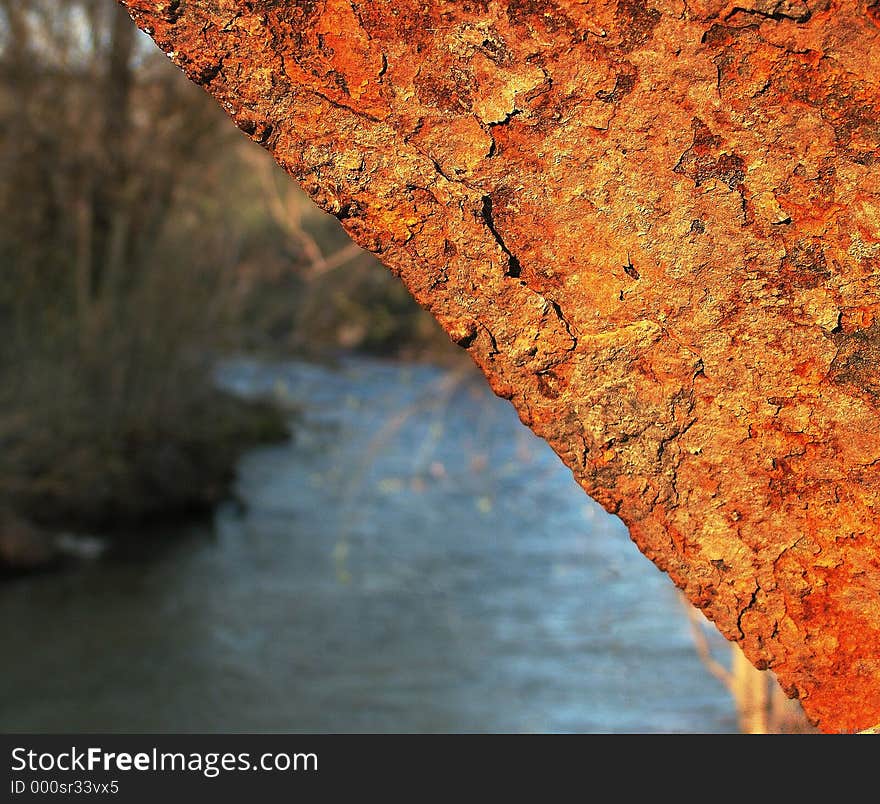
<point>247,484</point>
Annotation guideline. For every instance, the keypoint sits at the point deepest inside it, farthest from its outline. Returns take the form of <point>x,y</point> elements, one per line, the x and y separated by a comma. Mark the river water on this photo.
<point>413,560</point>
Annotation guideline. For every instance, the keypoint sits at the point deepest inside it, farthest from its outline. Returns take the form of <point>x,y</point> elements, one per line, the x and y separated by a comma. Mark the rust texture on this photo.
<point>655,225</point>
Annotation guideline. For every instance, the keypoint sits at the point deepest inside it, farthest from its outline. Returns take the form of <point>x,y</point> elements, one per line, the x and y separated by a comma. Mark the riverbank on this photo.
<point>68,467</point>
<point>105,481</point>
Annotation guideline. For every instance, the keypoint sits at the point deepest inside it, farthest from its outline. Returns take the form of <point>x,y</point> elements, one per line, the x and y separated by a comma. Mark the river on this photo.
<point>414,559</point>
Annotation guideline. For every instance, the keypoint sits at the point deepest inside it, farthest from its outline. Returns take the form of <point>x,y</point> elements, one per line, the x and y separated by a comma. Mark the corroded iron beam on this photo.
<point>655,225</point>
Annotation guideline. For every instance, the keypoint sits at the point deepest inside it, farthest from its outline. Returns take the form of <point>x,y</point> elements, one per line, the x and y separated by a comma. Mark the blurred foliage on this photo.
<point>311,291</point>
<point>141,237</point>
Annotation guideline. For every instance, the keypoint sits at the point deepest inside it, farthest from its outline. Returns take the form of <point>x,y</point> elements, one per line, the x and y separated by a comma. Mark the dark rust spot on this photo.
<point>496,49</point>
<point>172,12</point>
<point>548,385</point>
<point>637,22</point>
<point>776,10</point>
<point>623,85</point>
<point>464,333</point>
<point>804,266</point>
<point>702,162</point>
<point>207,73</point>
<point>543,12</point>
<point>450,92</point>
<point>720,35</point>
<point>857,363</point>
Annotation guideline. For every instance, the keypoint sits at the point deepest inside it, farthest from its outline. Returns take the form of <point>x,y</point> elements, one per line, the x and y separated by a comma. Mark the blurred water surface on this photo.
<point>413,560</point>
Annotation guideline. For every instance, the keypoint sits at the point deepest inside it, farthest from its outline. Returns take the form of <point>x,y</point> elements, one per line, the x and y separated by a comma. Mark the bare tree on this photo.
<point>761,705</point>
<point>114,287</point>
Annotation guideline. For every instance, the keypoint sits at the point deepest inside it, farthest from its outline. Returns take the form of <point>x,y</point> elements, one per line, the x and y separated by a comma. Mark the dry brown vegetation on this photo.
<point>141,236</point>
<point>113,293</point>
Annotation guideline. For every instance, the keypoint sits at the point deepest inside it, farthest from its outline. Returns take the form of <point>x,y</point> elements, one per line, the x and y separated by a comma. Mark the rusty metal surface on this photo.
<point>656,227</point>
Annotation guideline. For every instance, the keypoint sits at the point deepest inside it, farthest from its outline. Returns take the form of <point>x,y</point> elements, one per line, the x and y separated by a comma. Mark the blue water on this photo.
<point>413,560</point>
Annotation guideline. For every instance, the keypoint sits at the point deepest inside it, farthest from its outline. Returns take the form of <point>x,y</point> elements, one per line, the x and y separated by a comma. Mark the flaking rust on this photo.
<point>656,228</point>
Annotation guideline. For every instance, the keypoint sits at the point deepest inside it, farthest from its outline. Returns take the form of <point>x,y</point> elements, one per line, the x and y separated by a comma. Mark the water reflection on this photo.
<point>414,560</point>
